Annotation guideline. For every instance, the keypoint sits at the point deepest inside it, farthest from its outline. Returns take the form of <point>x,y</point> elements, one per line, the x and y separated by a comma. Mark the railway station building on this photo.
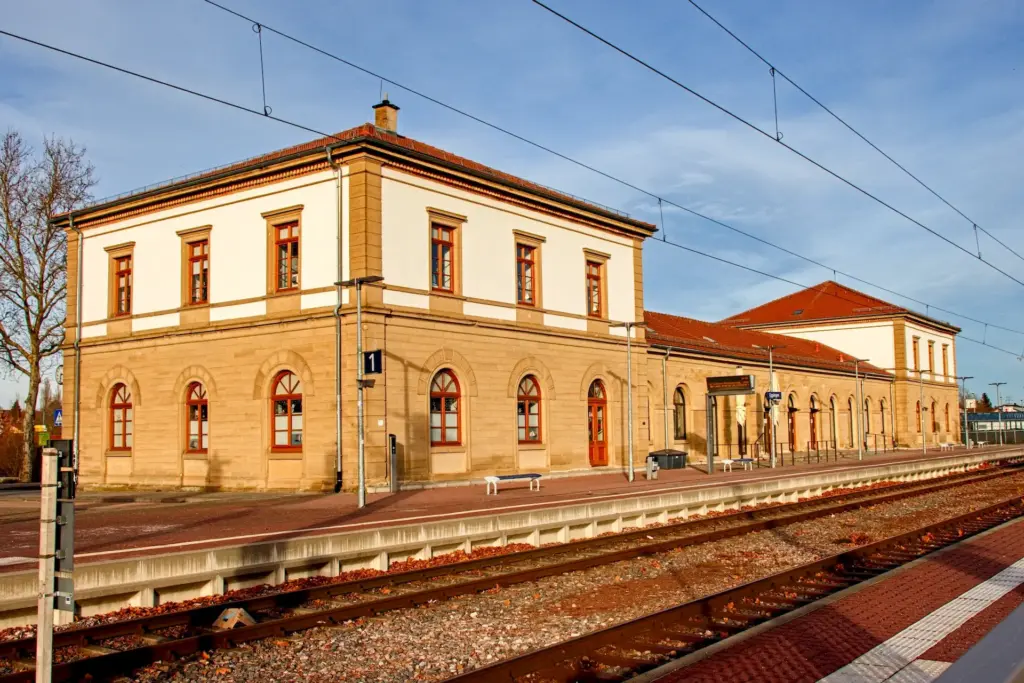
<point>209,344</point>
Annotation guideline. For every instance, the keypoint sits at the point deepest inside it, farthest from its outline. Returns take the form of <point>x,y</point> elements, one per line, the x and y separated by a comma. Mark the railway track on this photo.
<point>625,650</point>
<point>107,650</point>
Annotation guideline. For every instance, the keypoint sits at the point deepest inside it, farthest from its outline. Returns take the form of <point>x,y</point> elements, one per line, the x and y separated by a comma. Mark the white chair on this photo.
<point>726,464</point>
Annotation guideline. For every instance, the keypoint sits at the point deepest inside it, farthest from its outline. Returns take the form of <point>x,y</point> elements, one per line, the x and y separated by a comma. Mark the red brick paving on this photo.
<point>953,646</point>
<point>136,528</point>
<point>813,646</point>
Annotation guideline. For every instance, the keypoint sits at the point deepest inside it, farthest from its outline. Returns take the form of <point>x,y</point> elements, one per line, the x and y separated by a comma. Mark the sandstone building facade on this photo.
<point>209,344</point>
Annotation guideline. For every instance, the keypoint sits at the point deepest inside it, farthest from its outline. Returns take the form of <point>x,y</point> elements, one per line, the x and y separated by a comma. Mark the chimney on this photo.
<point>385,115</point>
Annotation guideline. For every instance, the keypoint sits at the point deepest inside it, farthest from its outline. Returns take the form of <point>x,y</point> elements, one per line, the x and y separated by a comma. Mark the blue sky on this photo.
<point>939,85</point>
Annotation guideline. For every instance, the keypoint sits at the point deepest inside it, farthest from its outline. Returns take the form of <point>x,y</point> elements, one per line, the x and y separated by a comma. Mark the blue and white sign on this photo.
<point>773,395</point>
<point>58,418</point>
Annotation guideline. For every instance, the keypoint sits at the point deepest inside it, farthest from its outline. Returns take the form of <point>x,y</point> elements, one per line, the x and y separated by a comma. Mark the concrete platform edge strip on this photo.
<point>149,580</point>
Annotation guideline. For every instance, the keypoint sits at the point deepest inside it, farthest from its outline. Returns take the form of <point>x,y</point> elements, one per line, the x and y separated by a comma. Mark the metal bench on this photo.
<point>945,446</point>
<point>491,481</point>
<point>745,463</point>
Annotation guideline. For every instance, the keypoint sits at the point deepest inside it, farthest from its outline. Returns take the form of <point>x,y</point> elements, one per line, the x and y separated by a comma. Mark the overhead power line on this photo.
<point>624,183</point>
<point>777,71</point>
<point>778,139</point>
<point>299,126</point>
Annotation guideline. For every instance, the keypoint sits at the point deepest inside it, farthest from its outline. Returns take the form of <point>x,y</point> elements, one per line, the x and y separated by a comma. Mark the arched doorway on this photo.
<point>814,421</point>
<point>597,410</point>
<point>792,423</point>
<point>853,430</point>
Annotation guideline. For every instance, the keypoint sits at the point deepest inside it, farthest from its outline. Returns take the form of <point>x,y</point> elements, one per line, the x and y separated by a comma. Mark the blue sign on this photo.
<point>773,395</point>
<point>58,418</point>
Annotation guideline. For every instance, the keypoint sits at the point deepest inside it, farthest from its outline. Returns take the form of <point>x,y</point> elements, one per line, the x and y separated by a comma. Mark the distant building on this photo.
<point>985,427</point>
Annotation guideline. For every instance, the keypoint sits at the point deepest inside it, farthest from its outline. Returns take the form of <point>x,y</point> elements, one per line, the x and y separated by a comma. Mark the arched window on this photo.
<point>528,410</point>
<point>286,404</point>
<point>935,417</point>
<point>852,417</point>
<point>121,419</point>
<point>946,410</point>
<point>792,410</point>
<point>867,416</point>
<point>813,420</point>
<point>445,410</point>
<point>197,419</point>
<point>919,417</point>
<point>881,409</point>
<point>834,420</point>
<point>679,414</point>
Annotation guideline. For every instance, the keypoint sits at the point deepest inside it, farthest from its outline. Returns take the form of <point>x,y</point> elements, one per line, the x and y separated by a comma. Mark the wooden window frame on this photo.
<point>945,360</point>
<point>445,238</point>
<point>526,400</point>
<point>916,346</point>
<point>115,407</point>
<point>457,395</point>
<point>527,240</point>
<point>594,273</point>
<point>116,255</point>
<point>456,223</point>
<point>526,259</point>
<point>189,239</point>
<point>931,357</point>
<point>275,220</point>
<point>678,414</point>
<point>289,397</point>
<point>199,402</point>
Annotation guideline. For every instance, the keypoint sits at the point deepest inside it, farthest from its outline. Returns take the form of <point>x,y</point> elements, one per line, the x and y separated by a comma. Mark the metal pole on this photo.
<point>966,432</point>
<point>771,387</point>
<point>664,381</point>
<point>892,413</point>
<point>359,400</point>
<point>47,551</point>
<point>629,395</point>
<point>998,402</point>
<point>924,434</point>
<point>859,407</point>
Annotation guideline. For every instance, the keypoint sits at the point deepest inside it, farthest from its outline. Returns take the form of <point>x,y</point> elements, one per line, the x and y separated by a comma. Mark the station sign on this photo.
<point>731,386</point>
<point>773,396</point>
<point>373,362</point>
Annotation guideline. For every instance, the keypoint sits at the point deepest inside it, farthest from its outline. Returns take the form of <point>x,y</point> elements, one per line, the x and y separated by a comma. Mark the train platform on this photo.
<point>120,524</point>
<point>908,626</point>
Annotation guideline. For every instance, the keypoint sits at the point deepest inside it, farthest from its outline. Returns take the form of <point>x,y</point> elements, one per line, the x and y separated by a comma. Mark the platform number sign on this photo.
<point>373,362</point>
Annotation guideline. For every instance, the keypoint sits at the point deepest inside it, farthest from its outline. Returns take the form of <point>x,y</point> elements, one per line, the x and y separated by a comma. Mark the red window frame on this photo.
<point>442,254</point>
<point>287,393</point>
<point>918,417</point>
<point>528,396</point>
<point>121,406</point>
<point>199,272</point>
<point>286,256</point>
<point>594,303</point>
<point>123,285</point>
<point>442,391</point>
<point>196,400</point>
<point>526,275</point>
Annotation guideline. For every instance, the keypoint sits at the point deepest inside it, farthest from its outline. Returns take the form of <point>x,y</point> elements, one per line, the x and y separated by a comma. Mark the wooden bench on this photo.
<point>491,481</point>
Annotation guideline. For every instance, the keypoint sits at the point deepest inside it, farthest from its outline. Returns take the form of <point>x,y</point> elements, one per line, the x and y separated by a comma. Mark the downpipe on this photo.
<point>337,322</point>
<point>78,344</point>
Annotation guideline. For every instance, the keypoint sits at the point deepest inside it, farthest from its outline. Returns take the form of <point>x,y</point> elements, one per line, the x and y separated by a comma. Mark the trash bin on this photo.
<point>652,467</point>
<point>669,458</point>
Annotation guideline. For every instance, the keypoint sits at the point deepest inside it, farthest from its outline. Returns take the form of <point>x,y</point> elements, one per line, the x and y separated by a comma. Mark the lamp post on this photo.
<point>358,283</point>
<point>860,405</point>
<point>966,431</point>
<point>629,387</point>
<point>771,387</point>
<point>998,409</point>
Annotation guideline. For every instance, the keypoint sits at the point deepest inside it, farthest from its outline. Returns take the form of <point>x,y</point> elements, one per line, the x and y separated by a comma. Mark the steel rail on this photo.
<point>198,620</point>
<point>627,649</point>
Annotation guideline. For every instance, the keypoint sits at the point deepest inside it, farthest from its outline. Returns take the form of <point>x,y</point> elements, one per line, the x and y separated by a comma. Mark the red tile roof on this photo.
<point>825,301</point>
<point>726,340</point>
<point>370,132</point>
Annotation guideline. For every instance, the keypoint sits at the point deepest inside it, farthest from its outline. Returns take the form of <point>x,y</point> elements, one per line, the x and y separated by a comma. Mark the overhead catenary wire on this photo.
<point>588,167</point>
<point>758,129</point>
<point>309,129</point>
<point>776,71</point>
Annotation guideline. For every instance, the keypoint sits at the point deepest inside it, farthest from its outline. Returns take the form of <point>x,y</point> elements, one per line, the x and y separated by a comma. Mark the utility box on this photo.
<point>669,458</point>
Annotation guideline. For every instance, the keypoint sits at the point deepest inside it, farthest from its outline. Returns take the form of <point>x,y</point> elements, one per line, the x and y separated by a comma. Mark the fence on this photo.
<point>991,437</point>
<point>808,452</point>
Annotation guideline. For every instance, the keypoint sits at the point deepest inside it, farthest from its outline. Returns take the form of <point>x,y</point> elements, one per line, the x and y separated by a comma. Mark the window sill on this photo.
<point>295,454</point>
<point>118,454</point>
<point>533,446</point>
<point>447,295</point>
<point>448,448</point>
<point>284,292</point>
<point>195,455</point>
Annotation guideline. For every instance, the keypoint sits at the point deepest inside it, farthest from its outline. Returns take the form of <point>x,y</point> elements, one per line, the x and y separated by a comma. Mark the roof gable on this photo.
<point>826,301</point>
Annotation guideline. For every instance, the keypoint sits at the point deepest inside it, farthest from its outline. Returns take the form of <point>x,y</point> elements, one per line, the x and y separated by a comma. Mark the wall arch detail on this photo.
<point>448,358</point>
<point>531,366</point>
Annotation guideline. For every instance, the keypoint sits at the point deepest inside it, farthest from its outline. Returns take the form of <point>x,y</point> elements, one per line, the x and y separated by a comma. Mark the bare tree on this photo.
<point>33,259</point>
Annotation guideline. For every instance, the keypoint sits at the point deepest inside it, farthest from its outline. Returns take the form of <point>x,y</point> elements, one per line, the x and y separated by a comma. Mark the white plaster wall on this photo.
<point>488,247</point>
<point>238,246</point>
<point>939,338</point>
<point>872,340</point>
<point>154,322</point>
<point>253,308</point>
